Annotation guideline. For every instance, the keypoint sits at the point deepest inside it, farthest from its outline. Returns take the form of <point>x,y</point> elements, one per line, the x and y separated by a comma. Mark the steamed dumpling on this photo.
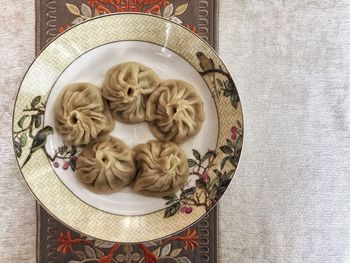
<point>127,87</point>
<point>174,111</point>
<point>106,165</point>
<point>162,168</point>
<point>81,114</point>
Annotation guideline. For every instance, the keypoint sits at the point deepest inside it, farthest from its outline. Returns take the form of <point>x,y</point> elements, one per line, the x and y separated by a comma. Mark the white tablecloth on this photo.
<point>290,200</point>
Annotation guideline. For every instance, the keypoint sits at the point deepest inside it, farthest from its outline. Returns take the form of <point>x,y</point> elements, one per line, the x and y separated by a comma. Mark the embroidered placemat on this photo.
<point>56,242</point>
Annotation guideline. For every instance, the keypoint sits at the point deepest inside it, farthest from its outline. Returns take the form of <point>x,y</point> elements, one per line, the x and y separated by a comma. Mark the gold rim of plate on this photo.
<point>220,163</point>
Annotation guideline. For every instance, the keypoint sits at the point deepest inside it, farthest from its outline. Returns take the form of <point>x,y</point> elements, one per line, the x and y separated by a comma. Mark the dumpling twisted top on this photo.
<point>175,111</point>
<point>81,114</point>
<point>106,164</point>
<point>162,168</point>
<point>126,88</point>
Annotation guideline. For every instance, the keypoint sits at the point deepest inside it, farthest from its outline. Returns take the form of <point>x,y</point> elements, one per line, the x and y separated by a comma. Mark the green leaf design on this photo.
<point>189,191</point>
<point>73,165</point>
<point>23,140</point>
<point>18,149</point>
<point>227,93</point>
<point>231,86</point>
<point>35,101</point>
<point>73,150</point>
<point>230,174</point>
<point>234,100</point>
<point>21,121</point>
<point>37,120</point>
<point>201,184</point>
<point>226,149</point>
<point>223,162</point>
<point>217,172</point>
<point>208,155</point>
<point>213,183</point>
<point>234,160</point>
<point>196,154</point>
<point>171,210</point>
<point>191,163</point>
<point>170,201</point>
<point>170,197</point>
<point>220,82</point>
<point>239,140</point>
<point>230,143</point>
<point>213,191</point>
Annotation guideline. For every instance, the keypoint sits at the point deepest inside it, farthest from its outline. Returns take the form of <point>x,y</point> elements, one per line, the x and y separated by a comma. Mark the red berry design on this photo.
<point>74,158</point>
<point>183,209</point>
<point>65,165</point>
<point>205,176</point>
<point>233,136</point>
<point>56,164</point>
<point>233,130</point>
<point>188,210</point>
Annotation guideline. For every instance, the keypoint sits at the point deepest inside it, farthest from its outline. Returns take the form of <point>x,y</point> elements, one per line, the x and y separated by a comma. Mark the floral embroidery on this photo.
<point>63,28</point>
<point>94,8</point>
<point>85,249</point>
<point>193,28</point>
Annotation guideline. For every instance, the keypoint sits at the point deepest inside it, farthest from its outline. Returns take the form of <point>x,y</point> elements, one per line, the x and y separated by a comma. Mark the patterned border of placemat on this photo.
<point>56,242</point>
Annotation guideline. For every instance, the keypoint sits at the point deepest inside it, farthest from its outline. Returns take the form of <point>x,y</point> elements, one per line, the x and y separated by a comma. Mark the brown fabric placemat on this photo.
<point>56,242</point>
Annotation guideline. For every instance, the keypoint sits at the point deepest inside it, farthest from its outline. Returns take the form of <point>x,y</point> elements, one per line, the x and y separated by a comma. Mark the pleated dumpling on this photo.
<point>127,87</point>
<point>162,168</point>
<point>81,114</point>
<point>106,165</point>
<point>175,111</point>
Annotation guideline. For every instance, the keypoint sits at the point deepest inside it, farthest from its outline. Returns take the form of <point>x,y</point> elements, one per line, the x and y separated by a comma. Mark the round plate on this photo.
<point>84,53</point>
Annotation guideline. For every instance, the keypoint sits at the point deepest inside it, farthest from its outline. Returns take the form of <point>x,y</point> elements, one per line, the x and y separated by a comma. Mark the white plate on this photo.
<point>92,67</point>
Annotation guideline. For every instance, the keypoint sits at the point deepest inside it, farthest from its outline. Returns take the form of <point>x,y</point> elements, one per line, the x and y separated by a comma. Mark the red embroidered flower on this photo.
<point>108,258</point>
<point>93,3</point>
<point>65,243</point>
<point>190,239</point>
<point>163,3</point>
<point>193,28</point>
<point>63,28</point>
<point>149,257</point>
